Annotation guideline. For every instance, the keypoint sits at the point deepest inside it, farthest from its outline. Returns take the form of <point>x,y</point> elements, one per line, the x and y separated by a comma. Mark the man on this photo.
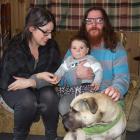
<point>107,49</point>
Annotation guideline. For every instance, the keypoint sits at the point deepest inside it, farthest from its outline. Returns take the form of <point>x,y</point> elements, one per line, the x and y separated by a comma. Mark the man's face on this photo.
<point>94,24</point>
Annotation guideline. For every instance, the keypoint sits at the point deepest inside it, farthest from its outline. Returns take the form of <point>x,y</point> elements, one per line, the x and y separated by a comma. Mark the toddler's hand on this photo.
<point>95,86</point>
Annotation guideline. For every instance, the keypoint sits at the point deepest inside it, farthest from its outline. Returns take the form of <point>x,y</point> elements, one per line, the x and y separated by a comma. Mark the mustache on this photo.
<point>94,28</point>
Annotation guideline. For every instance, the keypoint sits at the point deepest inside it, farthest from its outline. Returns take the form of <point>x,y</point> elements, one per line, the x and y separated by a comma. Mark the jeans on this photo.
<point>28,105</point>
<point>64,104</point>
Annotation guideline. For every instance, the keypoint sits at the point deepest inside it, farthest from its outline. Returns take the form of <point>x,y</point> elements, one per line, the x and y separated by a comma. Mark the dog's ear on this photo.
<point>92,104</point>
<point>81,105</point>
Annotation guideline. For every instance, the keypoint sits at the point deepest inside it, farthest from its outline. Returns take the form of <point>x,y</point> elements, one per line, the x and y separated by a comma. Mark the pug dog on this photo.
<point>94,116</point>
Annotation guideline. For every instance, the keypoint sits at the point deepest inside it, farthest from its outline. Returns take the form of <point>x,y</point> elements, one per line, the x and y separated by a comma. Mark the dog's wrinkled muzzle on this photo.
<point>69,121</point>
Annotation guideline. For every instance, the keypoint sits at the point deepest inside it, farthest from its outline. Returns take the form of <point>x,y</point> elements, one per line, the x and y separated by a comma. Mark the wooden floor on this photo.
<point>133,135</point>
<point>129,136</point>
<point>7,136</point>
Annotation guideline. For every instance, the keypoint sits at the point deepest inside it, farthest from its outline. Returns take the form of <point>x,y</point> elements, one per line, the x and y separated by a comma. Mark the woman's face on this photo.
<point>40,35</point>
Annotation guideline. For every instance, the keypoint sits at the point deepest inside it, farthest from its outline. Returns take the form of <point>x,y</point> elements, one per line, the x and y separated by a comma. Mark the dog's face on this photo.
<point>89,109</point>
<point>83,113</point>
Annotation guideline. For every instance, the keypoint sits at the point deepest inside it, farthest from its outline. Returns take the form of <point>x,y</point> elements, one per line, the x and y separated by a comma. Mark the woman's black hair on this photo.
<point>37,17</point>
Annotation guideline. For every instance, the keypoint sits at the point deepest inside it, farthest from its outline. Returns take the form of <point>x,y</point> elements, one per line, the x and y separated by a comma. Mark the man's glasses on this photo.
<point>45,33</point>
<point>98,20</point>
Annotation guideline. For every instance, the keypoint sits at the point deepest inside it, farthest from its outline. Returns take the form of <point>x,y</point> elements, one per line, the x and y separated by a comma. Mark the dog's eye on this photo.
<point>73,110</point>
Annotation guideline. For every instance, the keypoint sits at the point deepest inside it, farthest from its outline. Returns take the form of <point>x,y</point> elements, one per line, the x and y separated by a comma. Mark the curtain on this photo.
<point>5,24</point>
<point>12,18</point>
<point>124,14</point>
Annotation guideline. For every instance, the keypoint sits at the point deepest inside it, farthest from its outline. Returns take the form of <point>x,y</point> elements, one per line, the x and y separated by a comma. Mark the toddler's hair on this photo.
<point>80,38</point>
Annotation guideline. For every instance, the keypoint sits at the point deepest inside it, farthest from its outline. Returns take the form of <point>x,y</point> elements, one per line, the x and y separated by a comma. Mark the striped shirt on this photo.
<point>115,68</point>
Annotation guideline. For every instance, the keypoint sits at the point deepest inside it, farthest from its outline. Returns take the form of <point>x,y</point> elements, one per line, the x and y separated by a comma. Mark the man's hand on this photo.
<point>113,93</point>
<point>83,72</point>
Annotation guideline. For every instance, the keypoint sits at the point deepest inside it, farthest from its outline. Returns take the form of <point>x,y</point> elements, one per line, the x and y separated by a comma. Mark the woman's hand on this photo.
<point>21,83</point>
<point>83,72</point>
<point>113,93</point>
<point>49,77</point>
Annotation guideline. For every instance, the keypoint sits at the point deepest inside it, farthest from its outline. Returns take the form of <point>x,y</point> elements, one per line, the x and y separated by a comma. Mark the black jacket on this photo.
<point>18,61</point>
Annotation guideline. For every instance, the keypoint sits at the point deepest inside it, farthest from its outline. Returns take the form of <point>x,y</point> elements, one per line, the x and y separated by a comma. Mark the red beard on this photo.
<point>95,36</point>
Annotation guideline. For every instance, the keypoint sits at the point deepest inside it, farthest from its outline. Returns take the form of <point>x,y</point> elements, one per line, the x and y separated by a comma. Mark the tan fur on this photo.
<point>95,109</point>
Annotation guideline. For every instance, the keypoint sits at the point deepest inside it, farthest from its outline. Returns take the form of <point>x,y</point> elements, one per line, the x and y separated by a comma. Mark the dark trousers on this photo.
<point>28,104</point>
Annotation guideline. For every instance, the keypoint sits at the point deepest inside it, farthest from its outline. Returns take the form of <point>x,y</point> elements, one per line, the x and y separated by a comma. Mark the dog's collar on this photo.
<point>100,128</point>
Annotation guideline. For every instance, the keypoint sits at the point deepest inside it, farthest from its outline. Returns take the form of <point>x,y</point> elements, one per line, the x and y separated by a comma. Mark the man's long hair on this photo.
<point>109,36</point>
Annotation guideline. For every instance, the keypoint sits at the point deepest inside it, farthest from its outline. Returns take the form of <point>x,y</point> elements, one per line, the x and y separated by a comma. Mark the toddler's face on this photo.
<point>78,49</point>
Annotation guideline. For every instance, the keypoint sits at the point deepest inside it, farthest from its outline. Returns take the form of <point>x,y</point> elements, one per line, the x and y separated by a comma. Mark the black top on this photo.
<point>18,60</point>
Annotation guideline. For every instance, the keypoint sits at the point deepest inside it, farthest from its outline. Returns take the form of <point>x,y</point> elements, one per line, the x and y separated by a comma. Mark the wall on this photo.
<point>18,12</point>
<point>133,49</point>
<point>19,9</point>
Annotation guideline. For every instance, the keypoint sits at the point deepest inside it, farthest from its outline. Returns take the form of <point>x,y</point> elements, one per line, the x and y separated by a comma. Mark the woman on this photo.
<point>30,52</point>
